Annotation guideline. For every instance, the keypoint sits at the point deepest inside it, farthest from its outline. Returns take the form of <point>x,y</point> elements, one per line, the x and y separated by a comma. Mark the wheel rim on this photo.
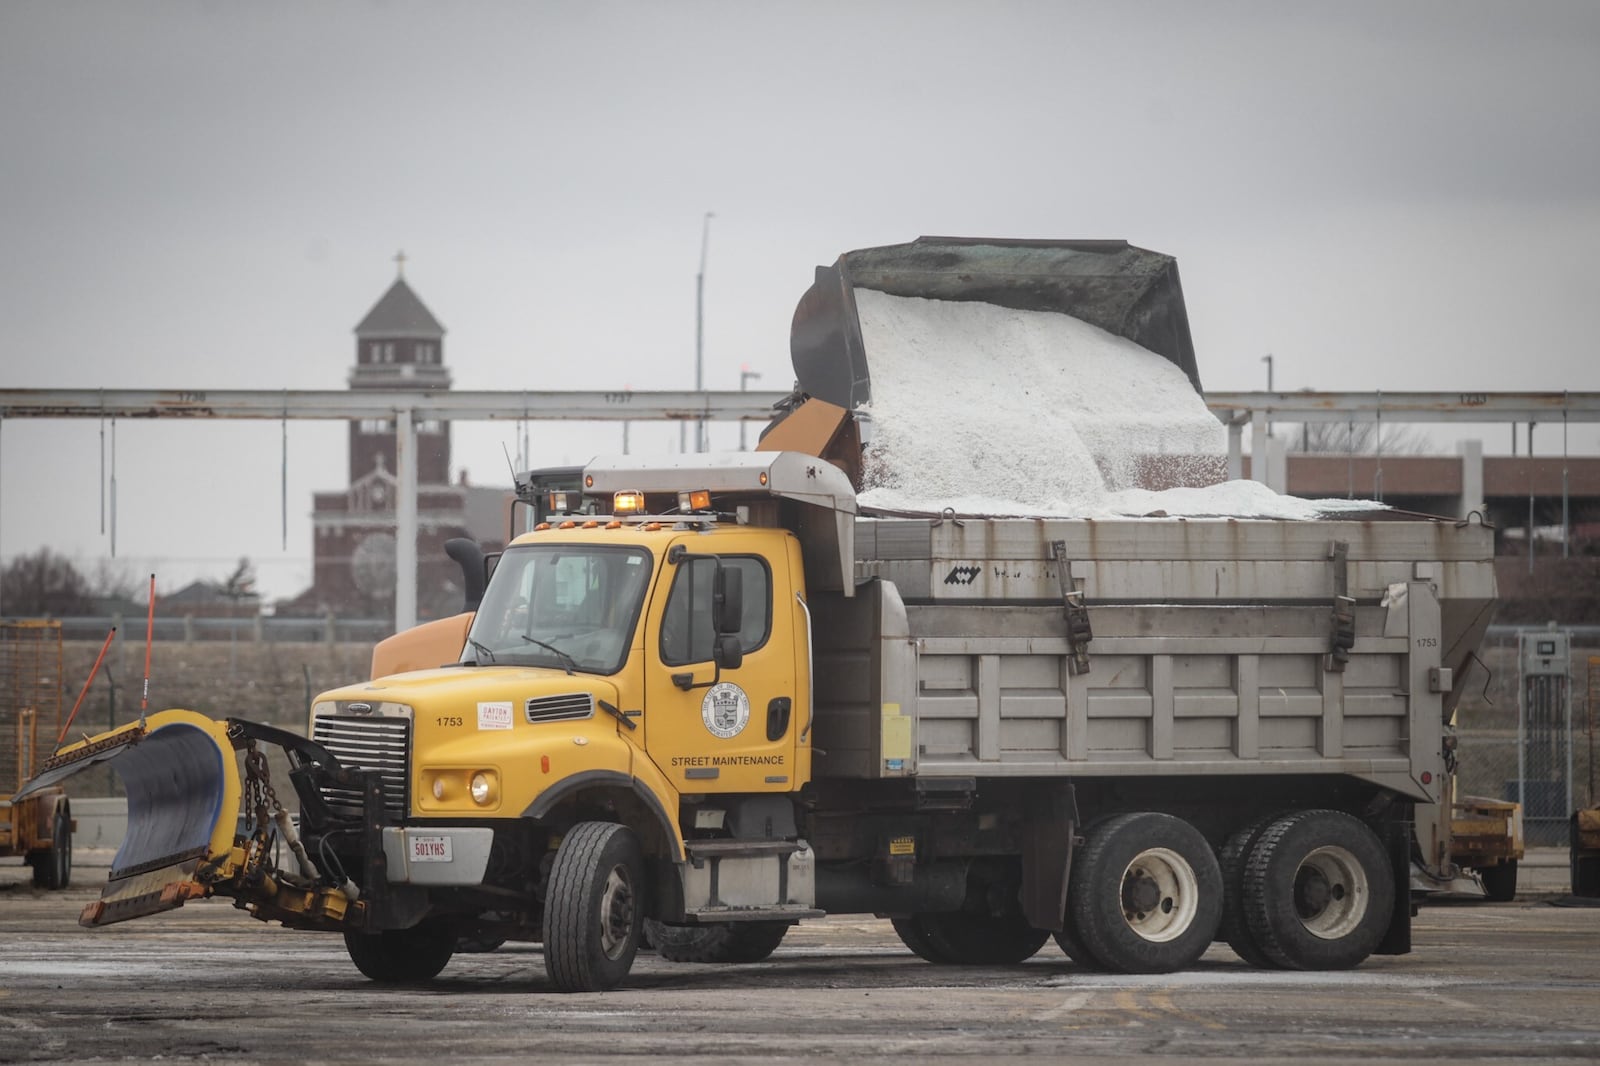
<point>1160,895</point>
<point>616,912</point>
<point>1331,893</point>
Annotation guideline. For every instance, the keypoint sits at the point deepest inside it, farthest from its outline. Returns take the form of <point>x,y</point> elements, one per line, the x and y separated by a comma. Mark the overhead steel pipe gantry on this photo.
<point>410,407</point>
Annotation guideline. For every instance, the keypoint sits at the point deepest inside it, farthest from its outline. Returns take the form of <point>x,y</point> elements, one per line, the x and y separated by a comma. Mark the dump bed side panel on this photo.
<point>1205,662</point>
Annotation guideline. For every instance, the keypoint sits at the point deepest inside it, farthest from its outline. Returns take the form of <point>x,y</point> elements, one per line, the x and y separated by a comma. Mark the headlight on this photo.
<point>438,788</point>
<point>482,788</point>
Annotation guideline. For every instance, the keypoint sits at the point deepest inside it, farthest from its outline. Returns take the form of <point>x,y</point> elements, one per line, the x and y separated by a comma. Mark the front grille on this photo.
<point>567,708</point>
<point>382,744</point>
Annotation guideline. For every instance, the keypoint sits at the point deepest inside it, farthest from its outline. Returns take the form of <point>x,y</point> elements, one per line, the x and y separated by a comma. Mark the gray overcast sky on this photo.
<point>193,195</point>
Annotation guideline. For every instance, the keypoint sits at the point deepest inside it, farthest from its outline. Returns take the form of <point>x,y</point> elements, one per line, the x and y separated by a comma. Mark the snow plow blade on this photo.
<point>189,835</point>
<point>1128,291</point>
<point>182,781</point>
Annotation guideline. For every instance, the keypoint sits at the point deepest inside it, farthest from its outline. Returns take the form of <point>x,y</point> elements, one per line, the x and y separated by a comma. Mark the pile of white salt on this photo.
<point>989,410</point>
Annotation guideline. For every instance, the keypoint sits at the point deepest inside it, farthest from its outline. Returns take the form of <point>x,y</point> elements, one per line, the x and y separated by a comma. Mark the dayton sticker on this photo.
<point>725,710</point>
<point>494,715</point>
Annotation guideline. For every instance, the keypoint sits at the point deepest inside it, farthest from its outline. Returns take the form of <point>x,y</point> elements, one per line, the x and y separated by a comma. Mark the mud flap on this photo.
<point>183,785</point>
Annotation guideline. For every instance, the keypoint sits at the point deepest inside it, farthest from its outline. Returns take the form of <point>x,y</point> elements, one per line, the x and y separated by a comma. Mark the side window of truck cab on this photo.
<point>686,635</point>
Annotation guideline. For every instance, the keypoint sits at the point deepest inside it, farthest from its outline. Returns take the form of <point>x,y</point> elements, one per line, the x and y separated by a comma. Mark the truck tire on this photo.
<point>479,944</point>
<point>970,939</point>
<point>720,942</point>
<point>592,909</point>
<point>1146,893</point>
<point>402,956</point>
<point>52,867</point>
<point>1318,891</point>
<point>911,933</point>
<point>1235,928</point>
<point>1500,882</point>
<point>1070,941</point>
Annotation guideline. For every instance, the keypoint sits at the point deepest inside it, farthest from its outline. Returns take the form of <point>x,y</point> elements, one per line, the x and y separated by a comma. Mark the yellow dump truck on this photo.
<point>728,701</point>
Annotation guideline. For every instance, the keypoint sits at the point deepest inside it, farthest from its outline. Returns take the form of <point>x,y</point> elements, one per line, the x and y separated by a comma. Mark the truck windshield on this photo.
<point>564,606</point>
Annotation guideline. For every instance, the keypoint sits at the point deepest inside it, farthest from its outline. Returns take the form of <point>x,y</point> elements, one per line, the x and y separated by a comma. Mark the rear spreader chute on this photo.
<point>203,819</point>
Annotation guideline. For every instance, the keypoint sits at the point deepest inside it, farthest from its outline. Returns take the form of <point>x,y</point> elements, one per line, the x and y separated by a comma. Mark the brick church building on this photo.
<point>399,345</point>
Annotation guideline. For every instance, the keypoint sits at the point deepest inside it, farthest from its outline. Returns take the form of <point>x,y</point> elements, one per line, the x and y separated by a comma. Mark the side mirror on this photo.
<point>727,652</point>
<point>727,600</point>
<point>468,555</point>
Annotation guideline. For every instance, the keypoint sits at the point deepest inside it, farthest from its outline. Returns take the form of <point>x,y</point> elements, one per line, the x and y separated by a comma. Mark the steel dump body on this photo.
<point>1211,649</point>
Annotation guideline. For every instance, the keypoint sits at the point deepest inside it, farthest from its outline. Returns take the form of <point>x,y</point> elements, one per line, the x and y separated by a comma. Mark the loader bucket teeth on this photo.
<point>1128,291</point>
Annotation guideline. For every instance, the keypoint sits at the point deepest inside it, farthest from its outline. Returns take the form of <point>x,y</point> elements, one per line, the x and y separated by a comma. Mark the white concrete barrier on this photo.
<point>102,823</point>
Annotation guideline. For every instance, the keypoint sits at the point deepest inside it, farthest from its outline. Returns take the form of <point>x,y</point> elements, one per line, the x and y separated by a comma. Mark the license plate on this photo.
<point>430,849</point>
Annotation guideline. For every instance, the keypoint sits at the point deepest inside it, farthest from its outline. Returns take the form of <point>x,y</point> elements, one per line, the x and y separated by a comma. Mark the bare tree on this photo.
<point>45,584</point>
<point>112,579</point>
<point>240,584</point>
<point>1354,438</point>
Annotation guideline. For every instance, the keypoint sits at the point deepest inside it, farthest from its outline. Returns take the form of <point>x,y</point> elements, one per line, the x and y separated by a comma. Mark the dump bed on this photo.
<point>1213,648</point>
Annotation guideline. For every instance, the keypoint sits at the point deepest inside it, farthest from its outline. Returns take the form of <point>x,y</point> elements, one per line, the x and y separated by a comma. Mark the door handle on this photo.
<point>778,717</point>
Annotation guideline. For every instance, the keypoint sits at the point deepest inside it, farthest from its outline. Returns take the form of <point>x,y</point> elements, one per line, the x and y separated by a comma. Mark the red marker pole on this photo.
<point>95,669</point>
<point>149,630</point>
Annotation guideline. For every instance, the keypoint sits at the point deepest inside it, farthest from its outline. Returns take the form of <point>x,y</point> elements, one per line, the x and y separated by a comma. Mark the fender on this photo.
<point>551,797</point>
<point>44,812</point>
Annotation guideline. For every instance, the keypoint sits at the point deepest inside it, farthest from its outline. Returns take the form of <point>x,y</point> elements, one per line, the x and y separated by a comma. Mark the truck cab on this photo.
<point>647,670</point>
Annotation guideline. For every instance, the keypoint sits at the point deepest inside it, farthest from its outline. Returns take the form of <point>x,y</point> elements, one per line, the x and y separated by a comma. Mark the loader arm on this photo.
<point>1131,292</point>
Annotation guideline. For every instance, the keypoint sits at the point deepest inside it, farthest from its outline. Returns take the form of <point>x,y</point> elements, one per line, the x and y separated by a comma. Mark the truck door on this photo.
<point>731,730</point>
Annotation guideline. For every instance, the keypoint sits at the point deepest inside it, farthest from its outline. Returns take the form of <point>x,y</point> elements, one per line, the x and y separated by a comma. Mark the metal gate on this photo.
<point>30,696</point>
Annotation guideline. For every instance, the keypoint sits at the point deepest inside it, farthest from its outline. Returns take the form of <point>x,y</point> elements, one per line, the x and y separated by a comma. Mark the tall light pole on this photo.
<point>745,374</point>
<point>699,327</point>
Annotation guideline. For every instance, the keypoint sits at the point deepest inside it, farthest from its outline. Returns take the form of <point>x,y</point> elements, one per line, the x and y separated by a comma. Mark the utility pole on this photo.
<point>699,328</point>
<point>745,374</point>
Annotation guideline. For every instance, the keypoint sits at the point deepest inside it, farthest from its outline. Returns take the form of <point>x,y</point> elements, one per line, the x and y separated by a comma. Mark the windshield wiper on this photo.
<point>481,649</point>
<point>567,661</point>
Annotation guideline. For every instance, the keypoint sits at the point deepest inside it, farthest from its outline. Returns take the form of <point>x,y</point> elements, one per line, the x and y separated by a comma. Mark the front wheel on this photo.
<point>52,867</point>
<point>402,956</point>
<point>593,912</point>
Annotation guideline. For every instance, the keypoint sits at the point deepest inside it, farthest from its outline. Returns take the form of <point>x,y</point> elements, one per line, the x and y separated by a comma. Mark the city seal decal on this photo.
<point>725,710</point>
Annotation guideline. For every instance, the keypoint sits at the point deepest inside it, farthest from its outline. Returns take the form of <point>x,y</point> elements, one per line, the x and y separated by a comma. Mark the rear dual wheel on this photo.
<point>1318,891</point>
<point>719,942</point>
<point>1145,895</point>
<point>969,938</point>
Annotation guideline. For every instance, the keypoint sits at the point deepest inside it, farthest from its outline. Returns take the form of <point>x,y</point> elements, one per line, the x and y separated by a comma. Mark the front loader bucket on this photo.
<point>1128,291</point>
<point>182,780</point>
